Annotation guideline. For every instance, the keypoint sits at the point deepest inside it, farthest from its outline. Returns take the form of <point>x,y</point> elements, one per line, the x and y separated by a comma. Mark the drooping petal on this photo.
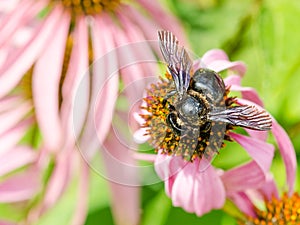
<point>10,118</point>
<point>46,79</point>
<point>163,19</point>
<point>243,177</point>
<point>134,60</point>
<point>105,84</point>
<point>269,189</point>
<point>197,191</point>
<point>82,199</point>
<point>182,192</point>
<point>248,93</point>
<point>167,168</point>
<point>251,96</point>
<point>17,65</point>
<point>218,61</point>
<point>220,65</point>
<point>10,102</point>
<point>16,158</point>
<point>242,201</point>
<point>213,55</point>
<point>12,191</point>
<point>232,80</point>
<point>59,179</point>
<point>149,28</point>
<point>285,145</point>
<point>122,172</point>
<point>10,138</point>
<point>287,152</point>
<point>76,85</point>
<point>144,157</point>
<point>209,192</point>
<point>17,18</point>
<point>209,57</point>
<point>260,151</point>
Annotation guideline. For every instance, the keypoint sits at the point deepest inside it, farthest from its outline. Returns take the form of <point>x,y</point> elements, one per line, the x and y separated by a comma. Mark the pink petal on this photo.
<point>162,166</point>
<point>144,157</point>
<point>46,81</point>
<point>89,142</point>
<point>248,93</point>
<point>10,102</point>
<point>243,177</point>
<point>211,56</point>
<point>76,84</point>
<point>260,151</point>
<point>24,12</point>
<point>16,158</point>
<point>10,138</point>
<point>220,65</point>
<point>82,199</point>
<point>167,166</point>
<point>196,191</point>
<point>233,80</point>
<point>122,172</point>
<point>163,19</point>
<point>16,66</point>
<point>269,189</point>
<point>6,223</point>
<point>285,147</point>
<point>182,192</point>
<point>134,60</point>
<point>262,135</point>
<point>140,137</point>
<point>7,6</point>
<point>59,178</point>
<point>209,192</point>
<point>242,201</point>
<point>287,152</point>
<point>106,78</point>
<point>20,187</point>
<point>138,118</point>
<point>10,118</point>
<point>145,24</point>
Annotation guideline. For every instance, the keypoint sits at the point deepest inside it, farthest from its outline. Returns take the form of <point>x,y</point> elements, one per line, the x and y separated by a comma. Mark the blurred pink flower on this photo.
<point>46,48</point>
<point>197,186</point>
<point>278,208</point>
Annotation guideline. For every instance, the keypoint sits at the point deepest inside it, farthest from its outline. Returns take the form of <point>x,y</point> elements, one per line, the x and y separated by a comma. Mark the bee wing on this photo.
<point>244,116</point>
<point>179,62</point>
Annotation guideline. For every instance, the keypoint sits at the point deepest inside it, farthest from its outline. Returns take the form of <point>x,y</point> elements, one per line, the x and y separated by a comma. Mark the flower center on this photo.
<point>173,131</point>
<point>89,7</point>
<point>285,211</point>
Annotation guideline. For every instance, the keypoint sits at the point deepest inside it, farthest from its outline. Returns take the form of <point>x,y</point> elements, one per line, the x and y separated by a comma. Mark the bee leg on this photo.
<point>172,121</point>
<point>206,127</point>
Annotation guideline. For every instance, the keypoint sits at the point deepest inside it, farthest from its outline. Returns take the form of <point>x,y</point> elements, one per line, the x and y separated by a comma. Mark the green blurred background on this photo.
<point>263,34</point>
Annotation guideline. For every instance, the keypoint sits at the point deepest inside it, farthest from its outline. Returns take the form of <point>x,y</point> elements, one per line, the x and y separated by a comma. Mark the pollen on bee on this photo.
<point>195,143</point>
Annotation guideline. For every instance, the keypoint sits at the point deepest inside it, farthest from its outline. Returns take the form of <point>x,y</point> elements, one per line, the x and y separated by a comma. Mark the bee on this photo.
<point>198,99</point>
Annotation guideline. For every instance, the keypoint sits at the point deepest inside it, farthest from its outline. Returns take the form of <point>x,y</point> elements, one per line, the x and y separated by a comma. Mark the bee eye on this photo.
<point>190,107</point>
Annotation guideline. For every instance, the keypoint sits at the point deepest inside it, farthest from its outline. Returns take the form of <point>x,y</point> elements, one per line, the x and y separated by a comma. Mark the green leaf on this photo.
<point>232,210</point>
<point>156,210</point>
